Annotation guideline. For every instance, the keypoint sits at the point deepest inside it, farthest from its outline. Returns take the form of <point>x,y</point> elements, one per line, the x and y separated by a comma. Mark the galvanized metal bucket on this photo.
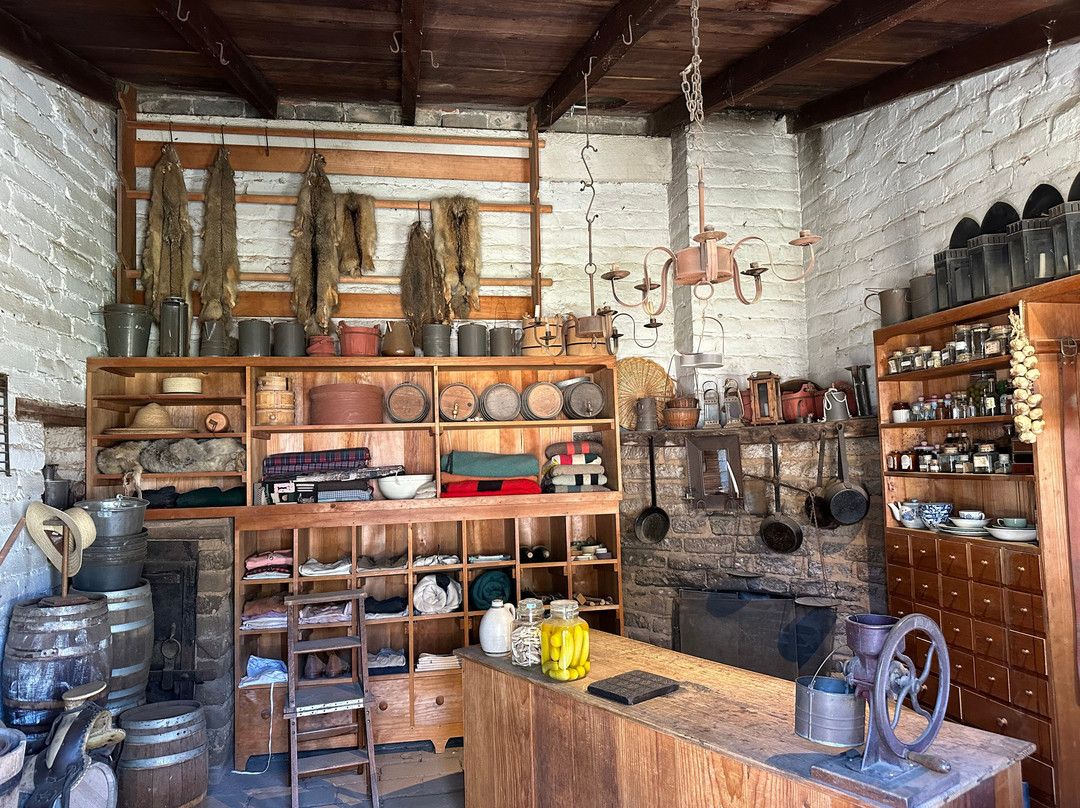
<point>828,712</point>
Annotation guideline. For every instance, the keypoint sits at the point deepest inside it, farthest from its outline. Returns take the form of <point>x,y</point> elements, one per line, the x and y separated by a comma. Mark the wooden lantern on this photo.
<point>765,398</point>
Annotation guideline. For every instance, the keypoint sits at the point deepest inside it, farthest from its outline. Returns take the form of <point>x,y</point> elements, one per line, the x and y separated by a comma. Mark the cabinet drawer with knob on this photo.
<point>990,641</point>
<point>955,594</point>
<point>1029,692</point>
<point>900,607</point>
<point>1022,571</point>
<point>1024,611</point>
<point>953,559</point>
<point>899,581</point>
<point>985,564</point>
<point>957,631</point>
<point>1027,652</point>
<point>928,695</point>
<point>896,549</point>
<point>389,707</point>
<point>437,701</point>
<point>924,553</point>
<point>925,589</point>
<point>992,679</point>
<point>962,668</point>
<point>987,603</point>
<point>984,713</point>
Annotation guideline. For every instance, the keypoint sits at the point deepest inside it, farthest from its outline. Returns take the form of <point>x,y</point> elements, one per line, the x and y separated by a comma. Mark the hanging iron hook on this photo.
<point>431,56</point>
<point>588,71</point>
<point>266,137</point>
<point>223,136</point>
<point>221,53</point>
<point>396,47</point>
<point>314,148</point>
<point>180,5</point>
<point>630,28</point>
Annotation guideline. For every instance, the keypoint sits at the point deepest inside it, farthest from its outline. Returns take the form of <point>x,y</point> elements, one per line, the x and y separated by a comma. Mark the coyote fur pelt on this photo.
<point>220,265</point>
<point>456,227</point>
<point>356,240</point>
<point>167,258</point>
<point>422,298</point>
<point>314,270</point>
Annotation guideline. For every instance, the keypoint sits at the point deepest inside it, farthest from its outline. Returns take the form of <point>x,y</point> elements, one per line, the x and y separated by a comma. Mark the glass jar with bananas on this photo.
<point>564,643</point>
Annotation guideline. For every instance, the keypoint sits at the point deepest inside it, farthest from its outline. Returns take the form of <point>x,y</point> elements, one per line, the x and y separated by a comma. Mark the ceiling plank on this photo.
<point>839,27</point>
<point>995,47</point>
<point>206,33</point>
<point>607,46</point>
<point>412,42</point>
<point>60,64</point>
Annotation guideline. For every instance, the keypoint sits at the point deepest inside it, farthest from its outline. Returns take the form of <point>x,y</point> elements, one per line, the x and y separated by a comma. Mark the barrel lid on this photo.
<point>77,696</point>
<point>161,711</point>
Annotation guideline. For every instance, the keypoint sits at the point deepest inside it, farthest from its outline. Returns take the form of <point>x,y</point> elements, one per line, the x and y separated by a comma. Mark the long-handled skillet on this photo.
<point>780,533</point>
<point>653,523</point>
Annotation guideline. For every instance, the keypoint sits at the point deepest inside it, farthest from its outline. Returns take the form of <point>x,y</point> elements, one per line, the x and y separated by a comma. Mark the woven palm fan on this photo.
<point>638,378</point>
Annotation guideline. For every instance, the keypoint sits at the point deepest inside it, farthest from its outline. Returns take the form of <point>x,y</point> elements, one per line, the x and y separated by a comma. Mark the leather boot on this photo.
<point>314,667</point>
<point>337,666</point>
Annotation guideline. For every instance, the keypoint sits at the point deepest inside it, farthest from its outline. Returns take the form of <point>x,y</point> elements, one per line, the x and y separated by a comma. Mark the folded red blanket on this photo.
<point>490,488</point>
<point>573,447</point>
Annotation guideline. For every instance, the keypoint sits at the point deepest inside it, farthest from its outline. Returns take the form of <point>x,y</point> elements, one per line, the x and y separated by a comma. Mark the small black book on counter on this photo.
<point>633,687</point>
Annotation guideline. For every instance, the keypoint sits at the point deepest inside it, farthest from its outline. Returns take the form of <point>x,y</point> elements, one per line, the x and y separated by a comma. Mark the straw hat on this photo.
<point>42,520</point>
<point>151,418</point>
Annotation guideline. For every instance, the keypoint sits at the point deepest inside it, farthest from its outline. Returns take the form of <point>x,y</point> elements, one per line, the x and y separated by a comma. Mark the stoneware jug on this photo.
<point>496,627</point>
<point>397,341</point>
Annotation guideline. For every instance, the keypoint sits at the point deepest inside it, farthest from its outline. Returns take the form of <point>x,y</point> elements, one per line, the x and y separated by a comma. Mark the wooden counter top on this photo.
<point>744,717</point>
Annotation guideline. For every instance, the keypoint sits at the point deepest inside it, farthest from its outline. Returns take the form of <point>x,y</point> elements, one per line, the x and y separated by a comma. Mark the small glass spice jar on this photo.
<point>983,460</point>
<point>1003,464</point>
<point>996,343</point>
<point>894,361</point>
<point>564,643</point>
<point>948,353</point>
<point>935,359</point>
<point>980,333</point>
<point>525,636</point>
<point>962,340</point>
<point>907,360</point>
<point>926,353</point>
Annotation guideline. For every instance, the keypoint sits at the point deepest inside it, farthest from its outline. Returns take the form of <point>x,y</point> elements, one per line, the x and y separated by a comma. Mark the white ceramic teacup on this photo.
<point>971,515</point>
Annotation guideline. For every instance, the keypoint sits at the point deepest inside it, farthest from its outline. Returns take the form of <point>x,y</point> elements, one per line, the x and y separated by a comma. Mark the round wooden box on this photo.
<point>345,404</point>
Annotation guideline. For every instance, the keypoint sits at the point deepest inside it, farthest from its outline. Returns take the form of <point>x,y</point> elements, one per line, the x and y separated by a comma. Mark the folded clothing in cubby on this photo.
<point>574,447</point>
<point>490,488</point>
<point>328,460</point>
<point>490,464</point>
<point>437,594</point>
<point>387,662</point>
<point>490,586</point>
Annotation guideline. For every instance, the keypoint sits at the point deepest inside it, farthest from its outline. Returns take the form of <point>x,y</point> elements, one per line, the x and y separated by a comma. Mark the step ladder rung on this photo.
<point>326,699</point>
<point>326,644</point>
<point>331,762</point>
<point>329,732</point>
<point>325,597</point>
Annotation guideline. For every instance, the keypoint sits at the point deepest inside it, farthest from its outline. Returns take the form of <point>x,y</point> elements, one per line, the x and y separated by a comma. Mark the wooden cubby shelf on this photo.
<point>950,423</point>
<point>951,476</point>
<point>944,372</point>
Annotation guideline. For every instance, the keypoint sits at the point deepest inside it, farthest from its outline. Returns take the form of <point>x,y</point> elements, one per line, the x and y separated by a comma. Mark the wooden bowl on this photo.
<point>681,417</point>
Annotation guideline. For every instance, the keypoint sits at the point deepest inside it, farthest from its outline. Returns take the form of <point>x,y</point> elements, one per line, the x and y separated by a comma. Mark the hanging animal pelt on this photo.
<point>220,265</point>
<point>314,270</point>
<point>356,240</point>
<point>456,228</point>
<point>422,298</point>
<point>167,258</point>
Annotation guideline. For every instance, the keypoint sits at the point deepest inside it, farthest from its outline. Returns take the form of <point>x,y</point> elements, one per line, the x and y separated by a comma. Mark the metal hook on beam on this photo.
<point>396,47</point>
<point>588,71</point>
<point>630,28</point>
<point>221,53</point>
<point>431,56</point>
<point>180,5</point>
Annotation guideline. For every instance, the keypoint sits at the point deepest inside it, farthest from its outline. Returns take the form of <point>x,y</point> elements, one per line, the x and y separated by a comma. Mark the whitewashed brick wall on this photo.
<point>887,187</point>
<point>57,252</point>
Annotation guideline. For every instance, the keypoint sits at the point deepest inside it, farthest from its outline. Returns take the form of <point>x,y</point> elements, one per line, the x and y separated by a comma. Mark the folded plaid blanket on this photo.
<point>330,460</point>
<point>573,447</point>
<point>548,488</point>
<point>577,479</point>
<point>490,488</point>
<point>573,459</point>
<point>584,468</point>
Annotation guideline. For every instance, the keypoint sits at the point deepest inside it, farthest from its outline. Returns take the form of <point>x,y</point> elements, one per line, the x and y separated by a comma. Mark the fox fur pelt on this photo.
<point>356,240</point>
<point>167,257</point>
<point>220,265</point>
<point>422,298</point>
<point>456,228</point>
<point>173,456</point>
<point>314,270</point>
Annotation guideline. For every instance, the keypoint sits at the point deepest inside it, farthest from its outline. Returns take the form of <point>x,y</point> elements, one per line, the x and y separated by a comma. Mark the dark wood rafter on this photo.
<point>125,203</point>
<point>206,33</point>
<point>412,42</point>
<point>608,44</point>
<point>48,413</point>
<point>845,24</point>
<point>54,61</point>
<point>1030,34</point>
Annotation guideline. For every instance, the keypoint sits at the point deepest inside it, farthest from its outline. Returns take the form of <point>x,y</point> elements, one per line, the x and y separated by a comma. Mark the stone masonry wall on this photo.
<point>846,564</point>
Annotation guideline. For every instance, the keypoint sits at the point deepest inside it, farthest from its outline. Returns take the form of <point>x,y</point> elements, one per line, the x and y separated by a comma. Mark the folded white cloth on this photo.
<point>483,559</point>
<point>427,491</point>
<point>386,658</point>
<point>265,576</point>
<point>386,615</point>
<point>263,671</point>
<point>312,567</point>
<point>430,598</point>
<point>435,560</point>
<point>263,622</point>
<point>326,613</point>
<point>369,563</point>
<point>437,662</point>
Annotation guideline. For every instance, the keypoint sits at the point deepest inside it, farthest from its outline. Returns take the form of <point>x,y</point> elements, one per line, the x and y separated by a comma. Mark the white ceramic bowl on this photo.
<point>913,524</point>
<point>968,522</point>
<point>1028,533</point>
<point>403,486</point>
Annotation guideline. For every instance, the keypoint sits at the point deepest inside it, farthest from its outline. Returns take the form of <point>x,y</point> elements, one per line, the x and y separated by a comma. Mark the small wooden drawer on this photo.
<point>899,581</point>
<point>987,603</point>
<point>896,549</point>
<point>900,607</point>
<point>990,641</point>
<point>1029,692</point>
<point>962,668</point>
<point>437,701</point>
<point>1024,611</point>
<point>1022,571</point>
<point>984,713</point>
<point>1027,653</point>
<point>985,564</point>
<point>928,695</point>
<point>952,559</point>
<point>992,679</point>
<point>924,553</point>
<point>957,631</point>
<point>955,595</point>
<point>390,707</point>
<point>924,588</point>
<point>919,651</point>
<point>1040,779</point>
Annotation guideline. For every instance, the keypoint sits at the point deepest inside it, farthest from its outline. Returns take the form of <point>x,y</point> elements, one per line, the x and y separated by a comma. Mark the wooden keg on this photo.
<point>163,763</point>
<point>131,619</point>
<point>457,402</point>
<point>345,403</point>
<point>273,382</point>
<point>274,399</point>
<point>541,337</point>
<point>500,402</point>
<point>49,650</point>
<point>407,403</point>
<point>541,401</point>
<point>12,754</point>
<point>584,399</point>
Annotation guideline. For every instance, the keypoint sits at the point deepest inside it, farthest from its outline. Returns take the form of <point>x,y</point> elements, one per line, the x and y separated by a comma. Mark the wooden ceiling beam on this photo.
<point>412,43</point>
<point>58,63</point>
<point>207,34</point>
<point>843,25</point>
<point>606,46</point>
<point>1029,34</point>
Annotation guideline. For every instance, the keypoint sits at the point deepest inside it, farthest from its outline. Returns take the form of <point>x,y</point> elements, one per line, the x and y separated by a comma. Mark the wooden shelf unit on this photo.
<point>1007,610</point>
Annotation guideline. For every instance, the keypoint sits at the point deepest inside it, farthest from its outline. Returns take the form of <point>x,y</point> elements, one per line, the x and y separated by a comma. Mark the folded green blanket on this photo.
<point>212,497</point>
<point>490,464</point>
<point>492,585</point>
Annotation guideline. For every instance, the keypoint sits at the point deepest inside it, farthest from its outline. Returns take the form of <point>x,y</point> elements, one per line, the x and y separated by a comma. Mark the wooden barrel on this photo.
<point>500,402</point>
<point>584,399</point>
<point>457,402</point>
<point>584,346</point>
<point>274,399</point>
<point>12,752</point>
<point>345,403</point>
<point>163,763</point>
<point>272,382</point>
<point>49,650</point>
<point>541,401</point>
<point>407,403</point>
<point>131,619</point>
<point>285,417</point>
<point>543,337</point>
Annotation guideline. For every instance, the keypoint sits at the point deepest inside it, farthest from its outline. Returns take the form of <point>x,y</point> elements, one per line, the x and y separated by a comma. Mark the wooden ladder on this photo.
<point>329,698</point>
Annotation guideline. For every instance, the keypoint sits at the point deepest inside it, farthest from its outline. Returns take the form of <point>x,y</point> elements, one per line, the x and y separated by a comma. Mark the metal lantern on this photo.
<point>953,270</point>
<point>1065,225</point>
<point>1031,240</point>
<point>765,398</point>
<point>989,254</point>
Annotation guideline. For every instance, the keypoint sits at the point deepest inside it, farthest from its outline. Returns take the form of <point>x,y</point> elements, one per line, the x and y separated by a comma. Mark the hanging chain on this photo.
<point>691,86</point>
<point>590,217</point>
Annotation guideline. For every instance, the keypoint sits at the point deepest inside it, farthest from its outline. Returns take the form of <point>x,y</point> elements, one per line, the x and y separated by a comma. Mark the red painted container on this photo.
<point>358,340</point>
<point>345,404</point>
<point>800,403</point>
